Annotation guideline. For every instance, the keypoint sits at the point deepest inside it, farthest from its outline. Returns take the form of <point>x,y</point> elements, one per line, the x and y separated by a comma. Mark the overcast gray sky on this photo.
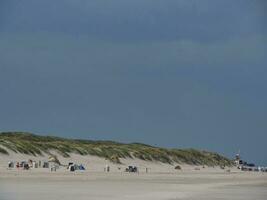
<point>171,73</point>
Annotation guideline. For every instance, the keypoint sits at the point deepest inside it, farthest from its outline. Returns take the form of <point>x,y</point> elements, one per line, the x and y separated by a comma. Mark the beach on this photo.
<point>161,182</point>
<point>133,100</point>
<point>97,185</point>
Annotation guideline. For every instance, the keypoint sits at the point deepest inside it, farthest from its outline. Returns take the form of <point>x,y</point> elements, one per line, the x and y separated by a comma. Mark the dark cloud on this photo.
<point>160,72</point>
<point>138,20</point>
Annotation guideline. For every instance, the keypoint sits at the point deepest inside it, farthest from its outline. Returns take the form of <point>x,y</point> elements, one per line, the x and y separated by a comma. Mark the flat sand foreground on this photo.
<point>26,185</point>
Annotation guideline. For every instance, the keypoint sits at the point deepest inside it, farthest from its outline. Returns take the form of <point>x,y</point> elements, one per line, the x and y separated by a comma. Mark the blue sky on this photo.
<point>169,73</point>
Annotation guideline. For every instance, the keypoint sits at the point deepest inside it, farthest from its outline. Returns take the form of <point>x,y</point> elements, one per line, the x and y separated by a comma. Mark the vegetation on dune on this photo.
<point>28,143</point>
<point>3,151</point>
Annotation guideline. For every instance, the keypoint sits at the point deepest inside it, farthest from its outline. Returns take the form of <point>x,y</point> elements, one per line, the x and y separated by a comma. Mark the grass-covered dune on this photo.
<point>27,143</point>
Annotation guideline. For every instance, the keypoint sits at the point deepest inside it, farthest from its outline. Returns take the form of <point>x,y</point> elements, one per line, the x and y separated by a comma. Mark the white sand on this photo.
<point>162,181</point>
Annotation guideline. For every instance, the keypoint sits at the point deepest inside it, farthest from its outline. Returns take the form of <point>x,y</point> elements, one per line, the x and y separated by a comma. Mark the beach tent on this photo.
<point>26,166</point>
<point>72,168</point>
<point>11,164</point>
<point>34,164</point>
<point>81,167</point>
<point>70,164</point>
<point>132,169</point>
<point>45,165</point>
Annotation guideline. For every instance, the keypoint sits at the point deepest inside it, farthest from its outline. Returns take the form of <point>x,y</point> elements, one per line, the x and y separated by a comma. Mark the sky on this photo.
<point>170,73</point>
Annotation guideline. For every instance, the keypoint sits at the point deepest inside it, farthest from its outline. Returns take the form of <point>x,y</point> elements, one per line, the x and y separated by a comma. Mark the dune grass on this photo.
<point>3,151</point>
<point>28,143</point>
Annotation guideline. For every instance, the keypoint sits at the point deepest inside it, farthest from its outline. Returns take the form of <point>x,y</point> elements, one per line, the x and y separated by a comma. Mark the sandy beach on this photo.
<point>161,182</point>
